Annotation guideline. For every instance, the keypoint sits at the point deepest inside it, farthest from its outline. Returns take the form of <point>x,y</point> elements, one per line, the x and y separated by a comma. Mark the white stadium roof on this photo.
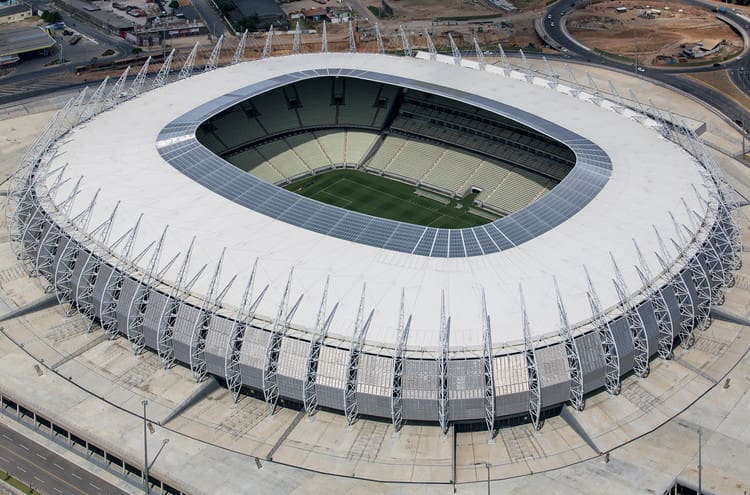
<point>116,153</point>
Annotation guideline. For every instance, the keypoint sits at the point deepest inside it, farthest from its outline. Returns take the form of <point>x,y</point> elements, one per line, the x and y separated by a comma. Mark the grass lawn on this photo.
<point>382,197</point>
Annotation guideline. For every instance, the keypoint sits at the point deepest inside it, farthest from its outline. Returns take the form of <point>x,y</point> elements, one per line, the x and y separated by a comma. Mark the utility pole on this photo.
<point>700,464</point>
<point>488,466</point>
<point>145,449</point>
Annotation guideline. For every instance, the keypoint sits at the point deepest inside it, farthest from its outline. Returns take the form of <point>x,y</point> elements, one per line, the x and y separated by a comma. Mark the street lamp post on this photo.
<point>700,465</point>
<point>488,466</point>
<point>145,449</point>
<point>700,455</point>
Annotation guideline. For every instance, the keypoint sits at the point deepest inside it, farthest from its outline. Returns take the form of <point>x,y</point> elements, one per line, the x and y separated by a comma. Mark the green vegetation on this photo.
<point>18,485</point>
<point>248,22</point>
<point>377,12</point>
<point>381,197</point>
<point>51,16</point>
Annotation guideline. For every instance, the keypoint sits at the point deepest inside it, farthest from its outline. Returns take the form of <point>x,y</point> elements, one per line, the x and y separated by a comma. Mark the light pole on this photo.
<point>145,449</point>
<point>700,455</point>
<point>700,464</point>
<point>488,466</point>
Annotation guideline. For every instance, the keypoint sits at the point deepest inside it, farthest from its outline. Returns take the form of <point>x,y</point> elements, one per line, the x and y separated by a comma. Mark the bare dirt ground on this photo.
<point>658,39</point>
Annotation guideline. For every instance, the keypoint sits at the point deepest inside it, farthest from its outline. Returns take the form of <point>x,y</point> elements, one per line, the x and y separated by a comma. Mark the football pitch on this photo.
<point>382,197</point>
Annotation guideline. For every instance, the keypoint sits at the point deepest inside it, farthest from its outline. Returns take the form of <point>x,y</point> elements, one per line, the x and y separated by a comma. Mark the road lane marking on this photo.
<point>21,469</point>
<point>41,456</point>
<point>4,459</point>
<point>40,480</point>
<point>56,477</point>
<point>56,489</point>
<point>23,447</point>
<point>58,466</point>
<point>96,487</point>
<point>76,476</point>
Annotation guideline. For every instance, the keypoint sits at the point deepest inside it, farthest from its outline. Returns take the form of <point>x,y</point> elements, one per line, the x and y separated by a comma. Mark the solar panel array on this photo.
<point>179,147</point>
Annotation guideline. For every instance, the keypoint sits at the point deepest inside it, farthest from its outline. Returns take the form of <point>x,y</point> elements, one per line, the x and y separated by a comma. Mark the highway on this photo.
<point>670,76</point>
<point>46,471</point>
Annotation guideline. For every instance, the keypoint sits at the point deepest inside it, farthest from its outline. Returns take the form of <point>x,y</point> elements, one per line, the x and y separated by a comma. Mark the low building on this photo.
<point>265,13</point>
<point>18,42</point>
<point>318,14</point>
<point>15,12</point>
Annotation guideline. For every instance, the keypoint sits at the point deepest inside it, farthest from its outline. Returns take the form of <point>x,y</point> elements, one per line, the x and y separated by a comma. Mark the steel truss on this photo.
<point>68,257</point>
<point>682,294</point>
<point>324,41</point>
<point>634,321</point>
<point>596,95</point>
<point>361,325</point>
<point>504,61</point>
<point>572,354</point>
<point>280,327</point>
<point>163,74</point>
<point>352,41</point>
<point>430,46</point>
<point>575,89</point>
<point>322,323</point>
<point>702,285</point>
<point>113,286</point>
<point>554,76</point>
<point>268,47</point>
<point>90,272</point>
<point>46,249</point>
<point>526,67</point>
<point>137,86</point>
<point>296,44</point>
<point>402,335</point>
<point>137,306</point>
<point>117,91</point>
<point>379,38</point>
<point>606,338</point>
<point>658,303</point>
<point>209,307</point>
<point>32,222</point>
<point>405,41</point>
<point>95,103</point>
<point>187,68</point>
<point>479,54</point>
<point>445,328</point>
<point>213,59</point>
<point>454,49</point>
<point>239,53</point>
<point>489,375</point>
<point>532,370</point>
<point>25,222</point>
<point>168,317</point>
<point>245,315</point>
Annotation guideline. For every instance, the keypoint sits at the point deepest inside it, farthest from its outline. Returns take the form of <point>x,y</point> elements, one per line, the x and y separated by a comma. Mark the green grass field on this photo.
<point>381,197</point>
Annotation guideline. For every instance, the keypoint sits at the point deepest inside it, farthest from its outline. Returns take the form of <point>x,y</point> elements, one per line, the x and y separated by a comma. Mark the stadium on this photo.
<point>385,237</point>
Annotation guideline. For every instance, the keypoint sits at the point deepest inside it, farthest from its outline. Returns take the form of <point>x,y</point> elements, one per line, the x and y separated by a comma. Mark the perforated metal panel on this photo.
<point>292,367</point>
<point>217,340</point>
<point>187,319</point>
<point>253,357</point>
<point>157,303</point>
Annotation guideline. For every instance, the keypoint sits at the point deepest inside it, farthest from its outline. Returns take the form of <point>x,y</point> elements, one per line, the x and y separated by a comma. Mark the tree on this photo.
<point>174,5</point>
<point>51,17</point>
<point>249,22</point>
<point>225,6</point>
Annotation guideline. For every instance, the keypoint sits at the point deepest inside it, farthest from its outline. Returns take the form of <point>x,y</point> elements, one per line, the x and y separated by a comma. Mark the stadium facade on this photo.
<point>121,209</point>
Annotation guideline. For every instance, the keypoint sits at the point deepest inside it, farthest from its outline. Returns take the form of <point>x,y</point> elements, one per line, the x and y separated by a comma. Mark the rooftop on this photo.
<point>15,40</point>
<point>636,199</point>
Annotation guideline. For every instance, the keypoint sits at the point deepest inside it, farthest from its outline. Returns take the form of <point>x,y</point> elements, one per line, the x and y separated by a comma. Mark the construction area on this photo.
<point>655,34</point>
